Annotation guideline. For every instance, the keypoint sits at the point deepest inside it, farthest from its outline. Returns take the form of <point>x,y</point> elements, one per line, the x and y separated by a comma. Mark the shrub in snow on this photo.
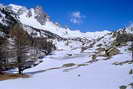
<point>123,87</point>
<point>93,57</point>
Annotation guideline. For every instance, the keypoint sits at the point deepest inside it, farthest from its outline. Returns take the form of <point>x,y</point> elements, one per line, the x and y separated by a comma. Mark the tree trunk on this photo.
<point>20,71</point>
<point>132,50</point>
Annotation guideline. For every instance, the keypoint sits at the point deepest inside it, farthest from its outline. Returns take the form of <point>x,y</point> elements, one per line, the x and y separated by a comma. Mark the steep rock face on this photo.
<point>40,15</point>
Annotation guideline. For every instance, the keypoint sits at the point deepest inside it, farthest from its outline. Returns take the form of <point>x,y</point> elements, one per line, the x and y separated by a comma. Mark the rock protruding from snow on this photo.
<point>41,16</point>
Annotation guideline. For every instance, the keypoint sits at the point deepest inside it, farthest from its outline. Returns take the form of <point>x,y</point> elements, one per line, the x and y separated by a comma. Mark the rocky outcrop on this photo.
<point>112,51</point>
<point>40,15</point>
<point>122,37</point>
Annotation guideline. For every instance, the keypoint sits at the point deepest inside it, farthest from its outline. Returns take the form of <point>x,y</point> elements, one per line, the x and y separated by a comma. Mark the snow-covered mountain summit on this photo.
<point>37,18</point>
<point>38,24</point>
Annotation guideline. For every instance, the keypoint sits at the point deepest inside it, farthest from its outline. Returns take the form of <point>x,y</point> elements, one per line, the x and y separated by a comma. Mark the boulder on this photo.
<point>112,51</point>
<point>69,54</point>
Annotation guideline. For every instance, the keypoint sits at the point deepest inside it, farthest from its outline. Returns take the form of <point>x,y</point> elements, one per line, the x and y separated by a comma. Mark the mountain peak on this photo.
<point>15,8</point>
<point>38,18</point>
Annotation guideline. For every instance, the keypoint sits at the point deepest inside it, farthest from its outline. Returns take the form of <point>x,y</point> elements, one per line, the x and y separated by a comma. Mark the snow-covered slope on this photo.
<point>37,18</point>
<point>54,73</point>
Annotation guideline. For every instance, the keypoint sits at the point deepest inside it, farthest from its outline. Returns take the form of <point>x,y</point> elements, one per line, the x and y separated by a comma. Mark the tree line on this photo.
<point>20,50</point>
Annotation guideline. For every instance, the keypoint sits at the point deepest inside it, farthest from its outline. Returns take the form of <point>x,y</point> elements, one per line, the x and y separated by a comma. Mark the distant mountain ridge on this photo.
<point>37,18</point>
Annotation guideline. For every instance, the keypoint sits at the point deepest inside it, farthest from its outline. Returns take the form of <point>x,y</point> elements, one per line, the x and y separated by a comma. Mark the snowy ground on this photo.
<point>51,74</point>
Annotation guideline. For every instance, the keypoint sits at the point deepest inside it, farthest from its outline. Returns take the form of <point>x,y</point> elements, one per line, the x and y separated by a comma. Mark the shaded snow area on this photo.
<point>70,70</point>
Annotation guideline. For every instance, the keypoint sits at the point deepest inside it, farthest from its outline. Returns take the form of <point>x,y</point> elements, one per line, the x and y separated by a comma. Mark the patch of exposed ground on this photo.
<point>124,62</point>
<point>7,76</point>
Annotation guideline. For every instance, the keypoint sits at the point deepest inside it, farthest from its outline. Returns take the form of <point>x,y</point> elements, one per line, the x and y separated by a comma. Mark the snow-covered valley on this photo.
<point>91,60</point>
<point>54,73</point>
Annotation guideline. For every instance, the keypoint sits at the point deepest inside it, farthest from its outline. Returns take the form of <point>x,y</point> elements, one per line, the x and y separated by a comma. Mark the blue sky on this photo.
<point>86,15</point>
